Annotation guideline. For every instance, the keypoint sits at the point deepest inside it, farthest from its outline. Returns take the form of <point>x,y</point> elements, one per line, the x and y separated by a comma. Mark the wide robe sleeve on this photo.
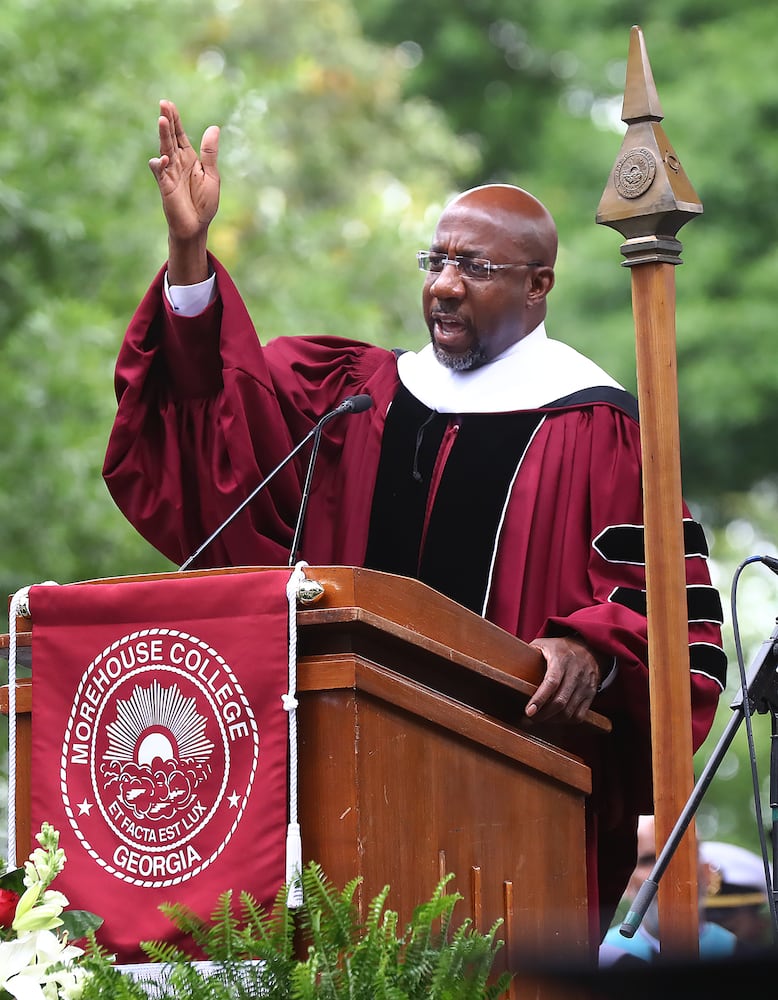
<point>205,413</point>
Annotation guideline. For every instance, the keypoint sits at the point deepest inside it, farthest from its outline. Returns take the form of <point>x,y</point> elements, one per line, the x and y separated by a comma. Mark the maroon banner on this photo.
<point>160,744</point>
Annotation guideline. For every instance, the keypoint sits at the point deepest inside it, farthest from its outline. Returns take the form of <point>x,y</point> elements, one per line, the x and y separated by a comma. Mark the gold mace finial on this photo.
<point>648,196</point>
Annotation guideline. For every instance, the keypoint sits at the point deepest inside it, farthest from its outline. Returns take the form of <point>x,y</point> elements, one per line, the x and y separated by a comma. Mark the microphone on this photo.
<point>351,404</point>
<point>770,562</point>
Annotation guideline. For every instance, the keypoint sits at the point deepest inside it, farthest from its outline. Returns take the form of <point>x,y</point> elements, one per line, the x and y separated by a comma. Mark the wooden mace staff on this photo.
<point>647,199</point>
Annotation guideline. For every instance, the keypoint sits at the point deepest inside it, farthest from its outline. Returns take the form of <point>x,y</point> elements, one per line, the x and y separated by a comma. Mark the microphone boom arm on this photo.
<point>242,506</point>
<point>351,404</point>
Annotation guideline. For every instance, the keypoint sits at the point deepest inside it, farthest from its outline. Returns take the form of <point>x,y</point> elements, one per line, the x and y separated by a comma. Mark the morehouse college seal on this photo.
<point>159,757</point>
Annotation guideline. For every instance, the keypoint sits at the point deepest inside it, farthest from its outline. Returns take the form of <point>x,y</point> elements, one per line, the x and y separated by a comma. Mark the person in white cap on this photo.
<point>716,942</point>
<point>736,896</point>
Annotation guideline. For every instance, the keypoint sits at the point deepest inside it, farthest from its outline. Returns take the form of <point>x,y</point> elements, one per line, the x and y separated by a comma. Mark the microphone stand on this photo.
<point>762,696</point>
<point>351,404</point>
<point>242,506</point>
<point>298,530</point>
<point>774,811</point>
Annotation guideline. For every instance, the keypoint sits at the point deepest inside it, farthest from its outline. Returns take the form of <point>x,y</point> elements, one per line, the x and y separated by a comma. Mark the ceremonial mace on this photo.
<point>647,199</point>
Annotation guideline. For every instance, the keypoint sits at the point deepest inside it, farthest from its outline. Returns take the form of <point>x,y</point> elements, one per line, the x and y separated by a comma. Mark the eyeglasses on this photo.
<point>469,267</point>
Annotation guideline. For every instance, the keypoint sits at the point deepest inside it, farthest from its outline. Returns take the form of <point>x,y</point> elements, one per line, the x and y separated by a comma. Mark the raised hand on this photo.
<point>189,186</point>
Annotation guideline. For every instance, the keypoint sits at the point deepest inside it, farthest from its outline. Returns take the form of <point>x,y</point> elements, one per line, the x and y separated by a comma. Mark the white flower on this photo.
<point>38,966</point>
<point>14,956</point>
<point>36,913</point>
<point>46,861</point>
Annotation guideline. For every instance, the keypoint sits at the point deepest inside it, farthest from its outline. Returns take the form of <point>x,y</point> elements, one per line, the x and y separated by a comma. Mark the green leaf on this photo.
<point>79,923</point>
<point>13,880</point>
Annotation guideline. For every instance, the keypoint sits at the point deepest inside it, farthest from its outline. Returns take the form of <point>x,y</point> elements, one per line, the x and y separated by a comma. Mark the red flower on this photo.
<point>8,901</point>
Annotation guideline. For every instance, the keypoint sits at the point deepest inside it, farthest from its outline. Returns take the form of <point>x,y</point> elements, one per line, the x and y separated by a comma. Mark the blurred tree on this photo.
<point>539,88</point>
<point>308,107</point>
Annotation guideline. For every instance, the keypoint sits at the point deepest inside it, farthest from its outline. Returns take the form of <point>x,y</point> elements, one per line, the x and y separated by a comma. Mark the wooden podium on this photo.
<point>413,762</point>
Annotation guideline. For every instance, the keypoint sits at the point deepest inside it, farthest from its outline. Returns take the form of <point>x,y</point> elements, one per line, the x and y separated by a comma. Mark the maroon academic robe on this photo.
<point>205,413</point>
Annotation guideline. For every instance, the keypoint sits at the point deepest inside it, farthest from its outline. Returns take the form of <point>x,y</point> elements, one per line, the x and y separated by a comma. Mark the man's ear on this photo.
<point>542,282</point>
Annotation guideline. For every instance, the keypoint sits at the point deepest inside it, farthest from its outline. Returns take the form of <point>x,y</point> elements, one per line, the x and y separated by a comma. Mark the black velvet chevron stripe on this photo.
<point>705,658</point>
<point>703,603</point>
<point>630,598</point>
<point>625,543</point>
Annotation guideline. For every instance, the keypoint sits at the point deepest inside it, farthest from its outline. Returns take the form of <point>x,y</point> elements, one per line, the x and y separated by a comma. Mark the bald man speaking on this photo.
<point>496,464</point>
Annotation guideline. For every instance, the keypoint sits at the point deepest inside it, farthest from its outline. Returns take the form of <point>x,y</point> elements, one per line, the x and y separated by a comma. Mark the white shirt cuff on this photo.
<point>610,677</point>
<point>190,300</point>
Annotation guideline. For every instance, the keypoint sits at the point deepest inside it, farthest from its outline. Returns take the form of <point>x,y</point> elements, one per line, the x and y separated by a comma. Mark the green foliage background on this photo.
<point>345,128</point>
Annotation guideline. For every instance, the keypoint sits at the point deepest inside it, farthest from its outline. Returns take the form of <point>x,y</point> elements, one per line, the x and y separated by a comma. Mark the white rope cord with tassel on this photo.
<point>20,605</point>
<point>294,848</point>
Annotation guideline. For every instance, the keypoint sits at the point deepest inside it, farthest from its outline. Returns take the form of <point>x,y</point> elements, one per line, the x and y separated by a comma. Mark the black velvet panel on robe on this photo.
<point>465,516</point>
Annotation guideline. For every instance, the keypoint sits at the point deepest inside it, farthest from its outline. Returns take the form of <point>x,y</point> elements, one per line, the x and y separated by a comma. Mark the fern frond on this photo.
<point>422,934</point>
<point>187,921</point>
<point>372,968</point>
<point>222,942</point>
<point>346,960</point>
<point>335,920</point>
<point>105,980</point>
<point>264,934</point>
<point>164,952</point>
